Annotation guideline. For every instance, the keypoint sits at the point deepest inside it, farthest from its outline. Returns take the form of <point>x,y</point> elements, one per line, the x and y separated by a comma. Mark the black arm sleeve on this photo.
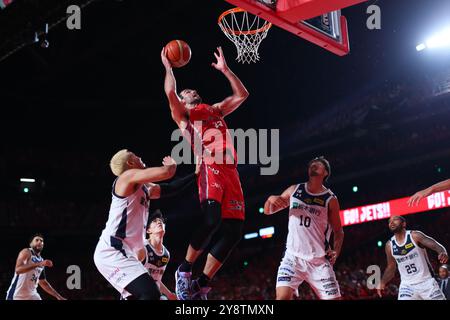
<point>170,189</point>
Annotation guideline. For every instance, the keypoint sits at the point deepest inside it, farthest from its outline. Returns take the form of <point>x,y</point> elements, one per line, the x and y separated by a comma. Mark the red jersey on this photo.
<point>209,135</point>
<point>218,178</point>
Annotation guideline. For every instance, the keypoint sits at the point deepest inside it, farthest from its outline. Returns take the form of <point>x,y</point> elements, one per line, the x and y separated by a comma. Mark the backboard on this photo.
<point>318,21</point>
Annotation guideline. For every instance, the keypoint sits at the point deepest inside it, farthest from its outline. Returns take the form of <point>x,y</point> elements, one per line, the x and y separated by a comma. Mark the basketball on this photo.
<point>178,52</point>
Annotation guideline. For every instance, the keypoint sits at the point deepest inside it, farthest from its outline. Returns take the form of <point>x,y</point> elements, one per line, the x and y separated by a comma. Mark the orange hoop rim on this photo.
<point>249,32</point>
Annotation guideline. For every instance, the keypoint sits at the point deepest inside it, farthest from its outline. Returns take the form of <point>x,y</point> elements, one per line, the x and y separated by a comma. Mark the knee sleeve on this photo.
<point>212,216</point>
<point>230,234</point>
<point>144,288</point>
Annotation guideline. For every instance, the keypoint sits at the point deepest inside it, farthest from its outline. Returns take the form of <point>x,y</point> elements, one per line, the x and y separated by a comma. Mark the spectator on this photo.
<point>444,281</point>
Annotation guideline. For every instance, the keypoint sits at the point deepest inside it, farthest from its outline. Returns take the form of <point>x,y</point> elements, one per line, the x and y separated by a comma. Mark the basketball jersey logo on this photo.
<point>215,171</point>
<point>216,185</point>
<point>236,205</point>
<point>319,201</point>
<point>218,124</point>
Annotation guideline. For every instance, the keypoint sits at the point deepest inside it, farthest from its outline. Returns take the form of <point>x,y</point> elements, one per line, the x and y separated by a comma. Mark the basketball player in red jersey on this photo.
<point>220,192</point>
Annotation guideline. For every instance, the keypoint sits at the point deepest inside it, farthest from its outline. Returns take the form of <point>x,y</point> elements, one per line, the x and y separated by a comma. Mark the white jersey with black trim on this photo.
<point>128,217</point>
<point>412,260</point>
<point>24,286</point>
<point>309,229</point>
<point>156,263</point>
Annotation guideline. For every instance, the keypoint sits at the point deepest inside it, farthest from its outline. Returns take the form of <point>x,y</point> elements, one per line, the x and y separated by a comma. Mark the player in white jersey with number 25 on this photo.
<point>313,216</point>
<point>407,250</point>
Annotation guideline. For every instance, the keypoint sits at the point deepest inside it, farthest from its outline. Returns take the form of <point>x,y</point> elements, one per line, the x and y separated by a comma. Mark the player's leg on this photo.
<point>120,267</point>
<point>288,279</point>
<point>210,197</point>
<point>284,293</point>
<point>202,236</point>
<point>211,211</point>
<point>229,235</point>
<point>430,290</point>
<point>144,288</point>
<point>322,279</point>
<point>210,223</point>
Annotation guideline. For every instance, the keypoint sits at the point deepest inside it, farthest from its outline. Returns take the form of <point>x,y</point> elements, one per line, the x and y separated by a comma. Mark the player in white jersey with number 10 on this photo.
<point>407,250</point>
<point>313,216</point>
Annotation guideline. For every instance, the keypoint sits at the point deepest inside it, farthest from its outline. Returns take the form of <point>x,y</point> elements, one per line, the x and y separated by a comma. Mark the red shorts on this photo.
<point>221,183</point>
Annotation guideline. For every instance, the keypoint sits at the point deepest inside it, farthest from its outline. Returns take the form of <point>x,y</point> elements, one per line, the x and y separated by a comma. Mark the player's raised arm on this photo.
<point>389,273</point>
<point>278,203</point>
<point>170,87</point>
<point>240,93</point>
<point>143,176</point>
<point>419,195</point>
<point>423,240</point>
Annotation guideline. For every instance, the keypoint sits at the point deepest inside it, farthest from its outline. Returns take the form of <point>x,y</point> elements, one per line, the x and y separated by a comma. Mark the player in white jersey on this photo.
<point>407,250</point>
<point>313,215</point>
<point>30,272</point>
<point>155,255</point>
<point>116,252</point>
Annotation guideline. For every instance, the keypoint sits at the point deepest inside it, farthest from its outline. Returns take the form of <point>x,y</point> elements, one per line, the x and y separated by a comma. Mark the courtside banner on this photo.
<point>384,210</point>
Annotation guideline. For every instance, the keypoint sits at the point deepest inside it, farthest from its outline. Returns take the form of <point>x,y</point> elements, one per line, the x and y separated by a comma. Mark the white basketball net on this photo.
<point>246,31</point>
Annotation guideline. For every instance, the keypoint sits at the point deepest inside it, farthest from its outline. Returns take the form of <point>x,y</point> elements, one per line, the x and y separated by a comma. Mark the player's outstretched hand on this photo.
<point>274,204</point>
<point>168,161</point>
<point>164,59</point>
<point>331,256</point>
<point>46,263</point>
<point>221,64</point>
<point>415,199</point>
<point>170,164</point>
<point>443,257</point>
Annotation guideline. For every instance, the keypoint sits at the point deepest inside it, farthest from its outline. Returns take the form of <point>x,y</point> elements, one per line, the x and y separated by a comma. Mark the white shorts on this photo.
<point>426,290</point>
<point>318,273</point>
<point>32,296</point>
<point>117,263</point>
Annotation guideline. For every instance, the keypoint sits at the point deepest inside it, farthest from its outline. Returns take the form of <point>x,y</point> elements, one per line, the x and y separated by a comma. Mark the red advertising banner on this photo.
<point>384,210</point>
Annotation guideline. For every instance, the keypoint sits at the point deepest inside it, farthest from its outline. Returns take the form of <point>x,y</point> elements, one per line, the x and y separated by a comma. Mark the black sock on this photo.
<point>186,266</point>
<point>203,280</point>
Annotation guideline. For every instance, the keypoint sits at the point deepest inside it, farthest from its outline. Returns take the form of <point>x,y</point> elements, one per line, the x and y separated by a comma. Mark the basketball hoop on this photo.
<point>245,31</point>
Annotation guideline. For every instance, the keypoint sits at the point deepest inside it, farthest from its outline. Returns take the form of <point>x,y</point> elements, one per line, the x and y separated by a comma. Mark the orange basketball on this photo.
<point>178,52</point>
